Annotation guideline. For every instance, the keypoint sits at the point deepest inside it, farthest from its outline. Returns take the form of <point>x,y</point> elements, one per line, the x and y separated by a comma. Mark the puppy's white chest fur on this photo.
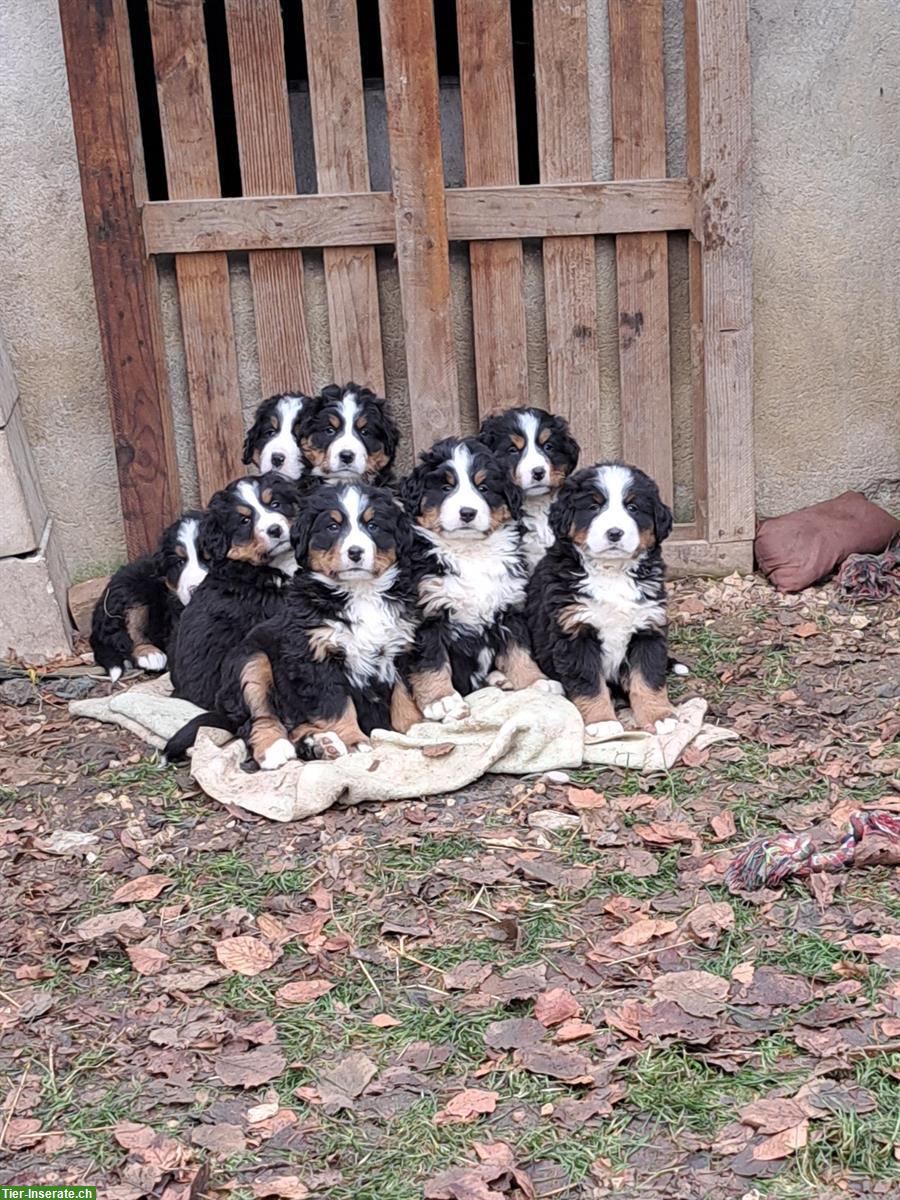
<point>482,579</point>
<point>612,603</point>
<point>538,536</point>
<point>375,635</point>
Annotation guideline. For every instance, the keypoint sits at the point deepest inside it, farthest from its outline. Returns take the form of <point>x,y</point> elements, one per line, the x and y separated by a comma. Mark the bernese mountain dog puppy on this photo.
<point>596,604</point>
<point>539,452</point>
<point>471,578</point>
<point>348,434</point>
<point>318,677</point>
<point>245,539</point>
<point>273,440</point>
<point>135,618</point>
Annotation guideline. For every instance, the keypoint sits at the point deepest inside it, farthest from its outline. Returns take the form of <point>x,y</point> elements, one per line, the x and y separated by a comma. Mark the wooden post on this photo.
<point>125,284</point>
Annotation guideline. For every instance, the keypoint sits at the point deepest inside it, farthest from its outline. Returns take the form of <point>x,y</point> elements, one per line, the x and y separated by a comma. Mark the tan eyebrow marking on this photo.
<point>517,440</point>
<point>480,477</point>
<point>362,422</point>
<point>369,513</point>
<point>334,421</point>
<point>244,511</point>
<point>449,477</point>
<point>273,420</point>
<point>336,515</point>
<point>544,436</point>
<point>266,497</point>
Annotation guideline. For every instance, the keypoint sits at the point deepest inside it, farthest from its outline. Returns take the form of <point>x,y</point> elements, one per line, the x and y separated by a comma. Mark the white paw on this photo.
<point>498,680</point>
<point>449,706</point>
<point>152,662</point>
<point>604,729</point>
<point>115,674</point>
<point>362,748</point>
<point>666,725</point>
<point>553,686</point>
<point>277,755</point>
<point>681,669</point>
<point>328,745</point>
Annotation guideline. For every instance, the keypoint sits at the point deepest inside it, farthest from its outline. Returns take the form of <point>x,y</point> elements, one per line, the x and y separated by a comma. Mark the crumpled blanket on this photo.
<point>516,733</point>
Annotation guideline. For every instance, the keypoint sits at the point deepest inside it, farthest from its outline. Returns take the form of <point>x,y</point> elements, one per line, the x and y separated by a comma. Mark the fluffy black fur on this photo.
<point>471,587</point>
<point>338,449</point>
<point>149,583</point>
<point>245,585</point>
<point>330,661</point>
<point>595,607</point>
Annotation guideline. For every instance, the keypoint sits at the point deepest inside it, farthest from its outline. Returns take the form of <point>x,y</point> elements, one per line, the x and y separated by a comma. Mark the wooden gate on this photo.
<point>420,217</point>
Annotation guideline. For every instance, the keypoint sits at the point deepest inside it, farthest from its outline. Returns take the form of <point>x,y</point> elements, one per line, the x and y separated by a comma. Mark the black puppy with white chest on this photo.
<point>539,452</point>
<point>596,604</point>
<point>138,612</point>
<point>245,538</point>
<point>317,678</point>
<point>471,577</point>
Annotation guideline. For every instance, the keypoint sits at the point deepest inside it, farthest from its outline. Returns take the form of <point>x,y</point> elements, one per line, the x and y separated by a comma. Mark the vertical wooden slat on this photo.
<point>642,259</point>
<point>110,160</point>
<point>262,116</point>
<point>570,282</point>
<point>189,142</point>
<point>342,165</point>
<point>719,159</point>
<point>411,91</point>
<point>491,158</point>
<point>695,272</point>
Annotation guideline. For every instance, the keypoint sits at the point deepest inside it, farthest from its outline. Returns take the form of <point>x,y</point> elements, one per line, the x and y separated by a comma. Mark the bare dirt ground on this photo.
<point>527,989</point>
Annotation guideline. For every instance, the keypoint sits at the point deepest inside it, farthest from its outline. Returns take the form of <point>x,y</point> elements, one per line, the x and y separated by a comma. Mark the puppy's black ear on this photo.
<point>213,541</point>
<point>562,511</point>
<point>411,489</point>
<point>250,441</point>
<point>512,494</point>
<point>489,433</point>
<point>301,530</point>
<point>662,518</point>
<point>391,432</point>
<point>565,441</point>
<point>330,393</point>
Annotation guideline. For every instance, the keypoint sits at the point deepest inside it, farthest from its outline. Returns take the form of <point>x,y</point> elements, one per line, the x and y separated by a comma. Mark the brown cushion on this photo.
<point>798,549</point>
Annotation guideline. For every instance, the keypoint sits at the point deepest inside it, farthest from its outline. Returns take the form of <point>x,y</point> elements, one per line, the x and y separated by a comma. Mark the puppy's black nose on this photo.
<point>467,514</point>
<point>275,531</point>
<point>615,535</point>
<point>346,457</point>
<point>537,473</point>
<point>355,553</point>
<point>277,460</point>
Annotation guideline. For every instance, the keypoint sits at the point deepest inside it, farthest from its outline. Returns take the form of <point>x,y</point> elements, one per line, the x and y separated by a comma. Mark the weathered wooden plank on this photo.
<point>570,285</point>
<point>497,268</point>
<point>110,163</point>
<point>699,557</point>
<point>262,116</point>
<point>411,92</point>
<point>719,152</point>
<point>637,93</point>
<point>473,214</point>
<point>351,280</point>
<point>189,143</point>
<point>695,269</point>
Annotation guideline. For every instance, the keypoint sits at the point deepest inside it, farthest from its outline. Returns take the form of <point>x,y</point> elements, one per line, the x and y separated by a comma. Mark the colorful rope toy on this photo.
<point>768,861</point>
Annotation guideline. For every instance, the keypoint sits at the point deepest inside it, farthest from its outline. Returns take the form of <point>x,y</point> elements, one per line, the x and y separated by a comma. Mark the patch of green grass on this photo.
<point>153,778</point>
<point>221,880</point>
<point>63,1109</point>
<point>807,954</point>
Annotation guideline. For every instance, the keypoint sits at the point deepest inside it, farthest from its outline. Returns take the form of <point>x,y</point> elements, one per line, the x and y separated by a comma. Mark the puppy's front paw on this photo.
<point>498,680</point>
<point>553,686</point>
<point>452,706</point>
<point>666,725</point>
<point>279,753</point>
<point>362,747</point>
<point>604,729</point>
<point>115,674</point>
<point>153,661</point>
<point>328,745</point>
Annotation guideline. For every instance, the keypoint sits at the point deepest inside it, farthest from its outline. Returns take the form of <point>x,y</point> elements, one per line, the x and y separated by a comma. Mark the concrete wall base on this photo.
<point>34,618</point>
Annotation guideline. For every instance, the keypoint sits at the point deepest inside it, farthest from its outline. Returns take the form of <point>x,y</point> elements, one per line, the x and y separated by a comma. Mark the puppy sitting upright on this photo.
<point>135,618</point>
<point>245,538</point>
<point>347,434</point>
<point>539,452</point>
<point>318,677</point>
<point>596,604</point>
<point>273,440</point>
<point>471,578</point>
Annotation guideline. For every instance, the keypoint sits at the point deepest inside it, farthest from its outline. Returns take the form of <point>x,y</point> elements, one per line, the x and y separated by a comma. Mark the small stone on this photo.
<point>556,777</point>
<point>18,692</point>
<point>75,688</point>
<point>553,821</point>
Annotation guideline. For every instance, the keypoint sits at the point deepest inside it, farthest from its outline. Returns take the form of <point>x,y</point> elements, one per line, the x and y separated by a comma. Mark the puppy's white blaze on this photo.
<point>615,481</point>
<point>193,572</point>
<point>532,458</point>
<point>465,495</point>
<point>264,519</point>
<point>284,442</point>
<point>348,439</point>
<point>354,503</point>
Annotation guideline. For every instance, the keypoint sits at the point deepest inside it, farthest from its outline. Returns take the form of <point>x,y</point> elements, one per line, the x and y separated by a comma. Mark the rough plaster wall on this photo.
<point>826,109</point>
<point>47,311</point>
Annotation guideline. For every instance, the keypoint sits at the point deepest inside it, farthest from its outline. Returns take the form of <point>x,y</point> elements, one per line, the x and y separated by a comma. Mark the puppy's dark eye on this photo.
<point>330,431</point>
<point>333,527</point>
<point>482,487</point>
<point>245,520</point>
<point>270,433</point>
<point>631,507</point>
<point>447,487</point>
<point>275,504</point>
<point>372,526</point>
<point>511,450</point>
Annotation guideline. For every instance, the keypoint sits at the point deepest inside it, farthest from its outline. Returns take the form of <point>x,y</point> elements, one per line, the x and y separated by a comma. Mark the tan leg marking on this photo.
<point>137,619</point>
<point>648,704</point>
<point>404,710</point>
<point>430,686</point>
<point>519,667</point>
<point>346,726</point>
<point>595,709</point>
<point>257,686</point>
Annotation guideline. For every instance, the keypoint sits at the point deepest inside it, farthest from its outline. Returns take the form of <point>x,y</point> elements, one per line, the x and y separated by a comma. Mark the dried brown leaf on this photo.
<point>246,955</point>
<point>466,1106</point>
<point>145,887</point>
